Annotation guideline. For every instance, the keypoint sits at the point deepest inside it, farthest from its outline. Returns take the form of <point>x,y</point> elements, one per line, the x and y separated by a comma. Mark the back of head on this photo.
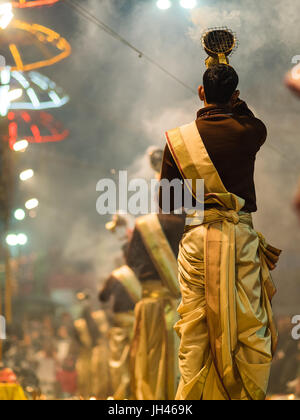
<point>220,82</point>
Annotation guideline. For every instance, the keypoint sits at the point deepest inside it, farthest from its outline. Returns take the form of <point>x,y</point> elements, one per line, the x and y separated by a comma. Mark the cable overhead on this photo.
<point>104,27</point>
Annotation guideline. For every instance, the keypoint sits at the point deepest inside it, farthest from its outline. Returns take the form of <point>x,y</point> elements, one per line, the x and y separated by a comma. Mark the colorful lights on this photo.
<point>34,127</point>
<point>14,240</point>
<point>7,97</point>
<point>19,34</point>
<point>6,15</point>
<point>22,239</point>
<point>19,215</point>
<point>20,146</point>
<point>22,4</point>
<point>31,204</point>
<point>37,92</point>
<point>26,175</point>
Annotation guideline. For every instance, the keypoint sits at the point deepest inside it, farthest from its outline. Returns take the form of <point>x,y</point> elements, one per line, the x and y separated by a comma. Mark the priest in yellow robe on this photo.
<point>227,331</point>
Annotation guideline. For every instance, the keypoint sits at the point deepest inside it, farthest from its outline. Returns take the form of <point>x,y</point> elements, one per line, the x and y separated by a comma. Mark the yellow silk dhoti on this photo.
<point>153,361</point>
<point>120,336</point>
<point>227,331</point>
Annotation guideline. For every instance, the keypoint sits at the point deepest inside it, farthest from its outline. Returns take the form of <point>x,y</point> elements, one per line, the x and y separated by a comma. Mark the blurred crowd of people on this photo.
<point>42,353</point>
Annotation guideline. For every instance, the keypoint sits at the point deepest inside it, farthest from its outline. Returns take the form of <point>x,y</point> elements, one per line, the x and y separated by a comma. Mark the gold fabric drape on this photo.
<point>160,251</point>
<point>92,361</point>
<point>120,336</point>
<point>12,392</point>
<point>227,331</point>
<point>153,361</point>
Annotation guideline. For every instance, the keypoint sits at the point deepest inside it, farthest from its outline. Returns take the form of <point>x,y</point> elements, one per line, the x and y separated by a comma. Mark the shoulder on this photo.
<point>257,129</point>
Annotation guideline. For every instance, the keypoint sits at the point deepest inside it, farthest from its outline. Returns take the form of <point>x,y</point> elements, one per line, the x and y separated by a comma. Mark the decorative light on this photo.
<point>6,15</point>
<point>34,127</point>
<point>188,4</point>
<point>20,214</point>
<point>20,146</point>
<point>12,240</point>
<point>20,34</point>
<point>6,97</point>
<point>32,204</point>
<point>38,92</point>
<point>22,4</point>
<point>22,239</point>
<point>164,4</point>
<point>25,175</point>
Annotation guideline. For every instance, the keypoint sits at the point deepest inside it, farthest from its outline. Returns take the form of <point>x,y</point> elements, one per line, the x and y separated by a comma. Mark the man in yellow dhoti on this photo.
<point>92,364</point>
<point>227,331</point>
<point>152,254</point>
<point>125,290</point>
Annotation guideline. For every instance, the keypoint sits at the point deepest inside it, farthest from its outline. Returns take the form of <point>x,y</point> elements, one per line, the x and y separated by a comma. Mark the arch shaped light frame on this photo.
<point>41,34</point>
<point>35,85</point>
<point>35,127</point>
<point>22,4</point>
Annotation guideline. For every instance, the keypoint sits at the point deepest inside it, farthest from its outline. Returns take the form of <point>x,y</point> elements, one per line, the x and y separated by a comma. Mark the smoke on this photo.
<point>121,104</point>
<point>268,39</point>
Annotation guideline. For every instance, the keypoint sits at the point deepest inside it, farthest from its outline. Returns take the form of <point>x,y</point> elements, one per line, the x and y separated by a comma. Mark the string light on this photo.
<point>12,240</point>
<point>31,204</point>
<point>37,92</point>
<point>20,146</point>
<point>26,175</point>
<point>22,239</point>
<point>6,15</point>
<point>20,214</point>
<point>7,97</point>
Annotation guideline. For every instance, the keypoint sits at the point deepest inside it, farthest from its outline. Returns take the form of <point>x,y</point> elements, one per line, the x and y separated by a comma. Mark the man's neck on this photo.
<point>217,105</point>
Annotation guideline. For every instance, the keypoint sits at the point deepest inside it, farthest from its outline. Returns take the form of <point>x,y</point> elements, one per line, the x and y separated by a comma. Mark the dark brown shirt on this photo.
<point>138,258</point>
<point>232,138</point>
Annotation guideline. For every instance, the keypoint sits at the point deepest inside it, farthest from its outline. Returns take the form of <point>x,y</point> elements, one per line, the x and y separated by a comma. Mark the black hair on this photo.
<point>220,82</point>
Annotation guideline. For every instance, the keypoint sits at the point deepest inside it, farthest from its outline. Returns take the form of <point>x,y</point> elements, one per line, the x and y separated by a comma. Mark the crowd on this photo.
<point>43,353</point>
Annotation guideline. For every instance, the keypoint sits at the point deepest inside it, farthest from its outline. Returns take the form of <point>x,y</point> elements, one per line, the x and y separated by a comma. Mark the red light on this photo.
<point>21,4</point>
<point>35,127</point>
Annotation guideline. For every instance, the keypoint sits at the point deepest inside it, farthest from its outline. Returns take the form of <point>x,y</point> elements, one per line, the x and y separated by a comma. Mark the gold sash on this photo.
<point>129,280</point>
<point>194,163</point>
<point>160,251</point>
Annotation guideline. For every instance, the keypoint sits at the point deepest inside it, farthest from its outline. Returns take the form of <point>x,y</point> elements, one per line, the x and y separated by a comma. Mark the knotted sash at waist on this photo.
<point>221,229</point>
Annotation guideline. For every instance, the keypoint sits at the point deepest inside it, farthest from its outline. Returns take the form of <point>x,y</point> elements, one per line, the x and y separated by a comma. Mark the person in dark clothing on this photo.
<point>113,288</point>
<point>137,255</point>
